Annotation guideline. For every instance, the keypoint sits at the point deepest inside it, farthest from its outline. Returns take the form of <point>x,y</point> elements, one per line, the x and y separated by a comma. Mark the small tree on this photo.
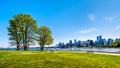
<point>116,43</point>
<point>44,37</point>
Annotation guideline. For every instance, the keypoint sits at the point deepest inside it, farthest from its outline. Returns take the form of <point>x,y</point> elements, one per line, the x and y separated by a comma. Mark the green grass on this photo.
<point>58,59</point>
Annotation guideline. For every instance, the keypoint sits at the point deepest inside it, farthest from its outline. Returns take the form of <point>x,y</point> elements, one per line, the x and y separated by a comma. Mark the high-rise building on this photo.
<point>99,40</point>
<point>90,43</point>
<point>95,43</point>
<point>79,43</point>
<point>60,44</point>
<point>70,43</point>
<point>67,45</point>
<point>75,42</point>
<point>104,42</point>
<point>110,41</point>
<point>83,43</point>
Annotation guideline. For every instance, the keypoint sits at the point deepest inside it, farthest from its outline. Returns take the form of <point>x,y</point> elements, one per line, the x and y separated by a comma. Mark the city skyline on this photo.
<point>68,19</point>
<point>100,41</point>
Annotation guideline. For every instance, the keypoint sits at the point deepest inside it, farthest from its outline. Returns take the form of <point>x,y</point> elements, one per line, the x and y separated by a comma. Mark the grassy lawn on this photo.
<point>58,59</point>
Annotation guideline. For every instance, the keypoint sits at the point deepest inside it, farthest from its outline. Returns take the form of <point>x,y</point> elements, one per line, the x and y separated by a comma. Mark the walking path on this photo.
<point>105,53</point>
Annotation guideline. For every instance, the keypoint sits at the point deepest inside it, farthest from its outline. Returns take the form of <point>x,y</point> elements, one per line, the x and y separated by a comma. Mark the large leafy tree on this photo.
<point>14,32</point>
<point>44,37</point>
<point>22,29</point>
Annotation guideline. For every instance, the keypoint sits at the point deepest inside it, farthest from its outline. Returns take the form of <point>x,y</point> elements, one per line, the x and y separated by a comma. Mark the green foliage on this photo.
<point>116,43</point>
<point>58,59</point>
<point>21,30</point>
<point>44,36</point>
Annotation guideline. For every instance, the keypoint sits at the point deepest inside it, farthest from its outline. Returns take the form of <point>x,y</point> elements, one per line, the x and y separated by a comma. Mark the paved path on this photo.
<point>105,53</point>
<point>115,54</point>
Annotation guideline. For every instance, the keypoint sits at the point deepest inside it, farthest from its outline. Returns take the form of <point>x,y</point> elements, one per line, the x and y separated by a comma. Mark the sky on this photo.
<point>67,19</point>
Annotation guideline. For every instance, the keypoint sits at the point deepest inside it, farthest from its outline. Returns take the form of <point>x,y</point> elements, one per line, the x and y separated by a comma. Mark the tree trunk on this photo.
<point>25,47</point>
<point>25,38</point>
<point>41,48</point>
<point>17,48</point>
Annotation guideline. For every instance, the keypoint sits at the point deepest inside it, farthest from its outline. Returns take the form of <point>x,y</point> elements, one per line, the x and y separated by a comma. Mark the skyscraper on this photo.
<point>99,40</point>
<point>70,43</point>
<point>104,42</point>
<point>75,42</point>
<point>110,41</point>
<point>79,43</point>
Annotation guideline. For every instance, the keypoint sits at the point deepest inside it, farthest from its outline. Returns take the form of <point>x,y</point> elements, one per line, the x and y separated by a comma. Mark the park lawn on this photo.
<point>58,59</point>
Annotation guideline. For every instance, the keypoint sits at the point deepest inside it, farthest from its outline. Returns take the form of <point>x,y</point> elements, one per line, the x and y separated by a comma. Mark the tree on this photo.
<point>116,43</point>
<point>22,30</point>
<point>14,32</point>
<point>44,37</point>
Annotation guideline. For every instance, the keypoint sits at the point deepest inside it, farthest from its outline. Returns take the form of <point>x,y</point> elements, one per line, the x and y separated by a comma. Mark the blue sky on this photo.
<point>68,19</point>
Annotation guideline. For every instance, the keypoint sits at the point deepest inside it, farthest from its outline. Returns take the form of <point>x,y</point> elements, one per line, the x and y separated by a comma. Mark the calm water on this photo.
<point>74,49</point>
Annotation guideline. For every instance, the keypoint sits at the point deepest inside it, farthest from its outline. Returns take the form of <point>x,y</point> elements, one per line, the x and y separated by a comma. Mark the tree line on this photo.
<point>23,30</point>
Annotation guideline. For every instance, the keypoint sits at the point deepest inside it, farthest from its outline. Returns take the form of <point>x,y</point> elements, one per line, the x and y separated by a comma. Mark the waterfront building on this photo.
<point>99,40</point>
<point>67,45</point>
<point>75,42</point>
<point>79,43</point>
<point>104,42</point>
<point>90,43</point>
<point>60,44</point>
<point>95,43</point>
<point>70,43</point>
<point>83,43</point>
<point>110,41</point>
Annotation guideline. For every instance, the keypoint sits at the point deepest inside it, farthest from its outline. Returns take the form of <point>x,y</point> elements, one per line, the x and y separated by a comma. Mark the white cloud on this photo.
<point>88,30</point>
<point>91,17</point>
<point>111,18</point>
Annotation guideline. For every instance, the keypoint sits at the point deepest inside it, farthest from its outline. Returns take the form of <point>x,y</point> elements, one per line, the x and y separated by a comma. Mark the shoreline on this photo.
<point>98,52</point>
<point>88,52</point>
